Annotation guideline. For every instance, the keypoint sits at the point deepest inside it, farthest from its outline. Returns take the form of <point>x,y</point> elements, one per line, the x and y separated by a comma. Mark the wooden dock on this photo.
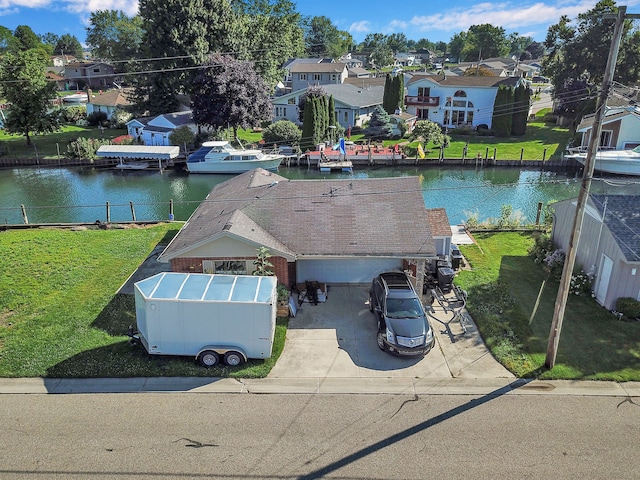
<point>327,166</point>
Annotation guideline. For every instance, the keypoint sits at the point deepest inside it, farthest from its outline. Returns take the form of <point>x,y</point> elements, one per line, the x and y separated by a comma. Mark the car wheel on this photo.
<point>233,359</point>
<point>370,304</point>
<point>381,344</point>
<point>208,358</point>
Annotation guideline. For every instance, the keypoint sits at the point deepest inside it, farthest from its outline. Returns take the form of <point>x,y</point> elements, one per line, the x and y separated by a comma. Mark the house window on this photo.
<point>346,117</point>
<point>96,70</point>
<point>291,101</point>
<point>208,266</point>
<point>334,77</point>
<point>303,76</point>
<point>280,111</point>
<point>605,138</point>
<point>317,77</point>
<point>422,113</point>
<point>424,91</point>
<point>230,267</point>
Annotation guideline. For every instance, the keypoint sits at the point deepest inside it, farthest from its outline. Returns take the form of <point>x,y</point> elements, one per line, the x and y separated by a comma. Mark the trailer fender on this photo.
<point>222,350</point>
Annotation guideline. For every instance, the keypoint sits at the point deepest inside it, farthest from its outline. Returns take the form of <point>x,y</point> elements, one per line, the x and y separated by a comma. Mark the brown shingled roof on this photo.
<point>314,218</point>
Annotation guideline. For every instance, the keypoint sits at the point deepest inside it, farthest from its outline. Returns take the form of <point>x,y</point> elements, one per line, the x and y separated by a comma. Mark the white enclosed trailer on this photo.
<point>209,317</point>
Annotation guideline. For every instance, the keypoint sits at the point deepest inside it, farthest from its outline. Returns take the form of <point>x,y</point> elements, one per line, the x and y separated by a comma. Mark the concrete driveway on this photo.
<point>337,339</point>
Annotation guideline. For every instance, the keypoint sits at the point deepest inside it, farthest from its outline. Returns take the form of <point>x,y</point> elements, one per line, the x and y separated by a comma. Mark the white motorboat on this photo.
<point>621,162</point>
<point>75,98</point>
<point>220,157</point>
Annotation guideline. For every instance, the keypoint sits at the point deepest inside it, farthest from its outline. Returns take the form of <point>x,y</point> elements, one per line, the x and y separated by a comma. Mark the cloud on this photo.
<point>10,11</point>
<point>507,15</point>
<point>363,26</point>
<point>130,7</point>
<point>12,4</point>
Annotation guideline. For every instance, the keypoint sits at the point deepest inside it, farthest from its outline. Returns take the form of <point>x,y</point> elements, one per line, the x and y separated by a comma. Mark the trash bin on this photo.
<point>456,258</point>
<point>445,279</point>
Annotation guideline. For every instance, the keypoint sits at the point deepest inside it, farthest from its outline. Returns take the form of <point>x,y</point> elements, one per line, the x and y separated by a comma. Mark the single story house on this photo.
<point>157,130</point>
<point>331,231</point>
<point>108,102</point>
<point>609,244</point>
<point>455,101</point>
<point>354,104</point>
<point>620,128</point>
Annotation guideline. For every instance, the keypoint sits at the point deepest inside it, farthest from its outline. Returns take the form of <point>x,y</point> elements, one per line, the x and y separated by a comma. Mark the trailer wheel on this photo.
<point>233,359</point>
<point>208,358</point>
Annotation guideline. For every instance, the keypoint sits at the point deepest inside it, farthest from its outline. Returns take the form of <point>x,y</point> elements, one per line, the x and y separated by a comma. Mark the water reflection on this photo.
<point>80,195</point>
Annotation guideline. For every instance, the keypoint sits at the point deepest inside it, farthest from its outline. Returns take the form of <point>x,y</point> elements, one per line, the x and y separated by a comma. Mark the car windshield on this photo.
<point>404,308</point>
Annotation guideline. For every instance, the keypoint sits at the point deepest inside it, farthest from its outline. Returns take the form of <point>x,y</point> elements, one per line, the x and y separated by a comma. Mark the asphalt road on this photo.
<point>227,436</point>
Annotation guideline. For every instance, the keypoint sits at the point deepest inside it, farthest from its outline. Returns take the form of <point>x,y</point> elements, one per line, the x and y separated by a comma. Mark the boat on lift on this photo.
<point>221,157</point>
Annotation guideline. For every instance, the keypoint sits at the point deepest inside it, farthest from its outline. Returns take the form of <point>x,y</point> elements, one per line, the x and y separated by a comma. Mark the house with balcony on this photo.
<point>455,101</point>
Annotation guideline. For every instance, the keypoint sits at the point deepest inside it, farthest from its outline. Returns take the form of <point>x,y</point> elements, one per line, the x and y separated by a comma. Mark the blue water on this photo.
<point>55,195</point>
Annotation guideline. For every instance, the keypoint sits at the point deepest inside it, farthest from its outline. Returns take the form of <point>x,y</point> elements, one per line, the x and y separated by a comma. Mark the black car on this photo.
<point>403,327</point>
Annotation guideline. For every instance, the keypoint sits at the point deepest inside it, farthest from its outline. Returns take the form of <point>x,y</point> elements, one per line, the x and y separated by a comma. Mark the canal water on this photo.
<point>65,195</point>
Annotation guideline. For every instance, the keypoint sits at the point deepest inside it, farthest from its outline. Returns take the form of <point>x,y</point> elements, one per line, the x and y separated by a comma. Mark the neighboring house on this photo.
<point>61,82</point>
<point>455,101</point>
<point>108,102</point>
<point>364,57</point>
<point>620,129</point>
<point>62,60</point>
<point>327,231</point>
<point>89,74</point>
<point>157,130</point>
<point>359,72</point>
<point>353,104</point>
<point>609,244</point>
<point>289,64</point>
<point>351,62</point>
<point>305,74</point>
<point>407,59</point>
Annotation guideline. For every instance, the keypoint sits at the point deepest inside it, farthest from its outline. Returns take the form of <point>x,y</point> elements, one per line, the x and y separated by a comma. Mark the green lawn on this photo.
<point>503,286</point>
<point>47,146</point>
<point>60,315</point>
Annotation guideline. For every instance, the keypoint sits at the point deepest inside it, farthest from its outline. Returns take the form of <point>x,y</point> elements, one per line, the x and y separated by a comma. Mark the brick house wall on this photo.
<point>194,265</point>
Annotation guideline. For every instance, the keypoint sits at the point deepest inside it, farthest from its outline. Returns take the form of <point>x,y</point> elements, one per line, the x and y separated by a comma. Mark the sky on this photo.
<point>434,20</point>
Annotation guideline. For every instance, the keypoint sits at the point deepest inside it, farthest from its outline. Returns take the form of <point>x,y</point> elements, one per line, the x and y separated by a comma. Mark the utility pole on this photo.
<point>583,196</point>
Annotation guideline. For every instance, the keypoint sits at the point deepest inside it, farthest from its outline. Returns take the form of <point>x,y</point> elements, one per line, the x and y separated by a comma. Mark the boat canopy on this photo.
<point>139,152</point>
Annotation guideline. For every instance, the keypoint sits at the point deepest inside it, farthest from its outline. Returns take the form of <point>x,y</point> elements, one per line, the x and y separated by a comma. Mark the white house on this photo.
<point>305,74</point>
<point>454,101</point>
<point>108,102</point>
<point>620,128</point>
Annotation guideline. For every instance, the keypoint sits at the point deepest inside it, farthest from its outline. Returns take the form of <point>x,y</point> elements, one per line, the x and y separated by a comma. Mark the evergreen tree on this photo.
<point>387,93</point>
<point>520,110</point>
<point>380,124</point>
<point>502,111</point>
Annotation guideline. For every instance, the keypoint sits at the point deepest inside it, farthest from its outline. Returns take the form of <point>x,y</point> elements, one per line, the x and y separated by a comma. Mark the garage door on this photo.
<point>348,270</point>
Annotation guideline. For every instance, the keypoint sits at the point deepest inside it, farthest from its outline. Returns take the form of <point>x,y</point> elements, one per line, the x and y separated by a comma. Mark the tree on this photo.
<point>114,36</point>
<point>68,45</point>
<point>382,56</point>
<point>577,57</point>
<point>428,131</point>
<point>534,50</point>
<point>379,124</point>
<point>518,44</point>
<point>267,33</point>
<point>183,137</point>
<point>480,41</point>
<point>393,96</point>
<point>25,39</point>
<point>397,42</point>
<point>521,104</point>
<point>6,39</point>
<point>178,36</point>
<point>323,39</point>
<point>503,111</point>
<point>282,131</point>
<point>25,86</point>
<point>230,92</point>
<point>313,129</point>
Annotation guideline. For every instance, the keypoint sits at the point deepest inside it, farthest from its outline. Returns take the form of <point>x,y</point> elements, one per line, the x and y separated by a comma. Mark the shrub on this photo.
<point>73,114</point>
<point>85,148</point>
<point>580,284</point>
<point>123,140</point>
<point>282,131</point>
<point>554,262</point>
<point>543,245</point>
<point>628,307</point>
<point>96,118</point>
<point>119,118</point>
